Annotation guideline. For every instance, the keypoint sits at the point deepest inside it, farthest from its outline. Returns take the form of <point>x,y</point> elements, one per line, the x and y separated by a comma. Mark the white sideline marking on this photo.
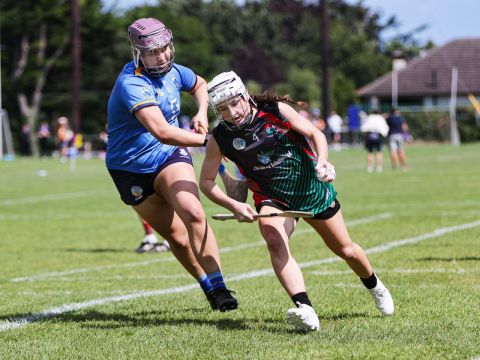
<point>78,271</point>
<point>119,277</point>
<point>50,197</point>
<point>25,320</point>
<point>399,271</point>
<point>171,258</point>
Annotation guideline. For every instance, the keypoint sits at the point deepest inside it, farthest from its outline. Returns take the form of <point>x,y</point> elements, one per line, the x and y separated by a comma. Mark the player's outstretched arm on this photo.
<point>213,157</point>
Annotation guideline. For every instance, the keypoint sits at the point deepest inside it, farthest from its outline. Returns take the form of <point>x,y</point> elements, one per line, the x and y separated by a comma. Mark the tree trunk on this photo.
<point>31,111</point>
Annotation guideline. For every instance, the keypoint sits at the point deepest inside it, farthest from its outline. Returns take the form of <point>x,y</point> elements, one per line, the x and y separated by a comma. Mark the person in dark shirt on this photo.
<point>397,127</point>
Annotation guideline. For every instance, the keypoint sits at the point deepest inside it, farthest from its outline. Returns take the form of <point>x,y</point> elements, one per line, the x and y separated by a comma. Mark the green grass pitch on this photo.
<point>71,286</point>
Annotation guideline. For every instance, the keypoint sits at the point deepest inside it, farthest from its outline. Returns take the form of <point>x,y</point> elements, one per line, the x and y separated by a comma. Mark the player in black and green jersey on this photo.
<point>285,160</point>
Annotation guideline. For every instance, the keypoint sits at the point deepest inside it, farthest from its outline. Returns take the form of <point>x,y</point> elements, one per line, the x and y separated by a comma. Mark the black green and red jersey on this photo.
<point>277,161</point>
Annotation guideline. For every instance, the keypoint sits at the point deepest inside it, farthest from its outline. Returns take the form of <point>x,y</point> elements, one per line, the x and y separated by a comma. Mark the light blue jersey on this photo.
<point>131,147</point>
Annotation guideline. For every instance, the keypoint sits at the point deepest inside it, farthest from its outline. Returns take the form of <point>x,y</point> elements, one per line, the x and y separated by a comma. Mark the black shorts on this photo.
<point>136,187</point>
<point>324,215</point>
<point>373,142</point>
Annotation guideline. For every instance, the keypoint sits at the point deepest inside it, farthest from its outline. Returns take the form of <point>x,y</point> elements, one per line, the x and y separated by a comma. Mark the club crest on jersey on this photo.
<point>137,192</point>
<point>264,158</point>
<point>183,153</point>
<point>238,144</point>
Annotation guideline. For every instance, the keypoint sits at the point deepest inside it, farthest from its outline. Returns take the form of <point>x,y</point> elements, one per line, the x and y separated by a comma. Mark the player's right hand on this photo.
<point>243,212</point>
<point>325,171</point>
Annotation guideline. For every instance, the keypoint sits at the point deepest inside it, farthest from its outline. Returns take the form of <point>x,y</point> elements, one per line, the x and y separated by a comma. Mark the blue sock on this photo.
<point>221,169</point>
<point>205,284</point>
<point>216,279</point>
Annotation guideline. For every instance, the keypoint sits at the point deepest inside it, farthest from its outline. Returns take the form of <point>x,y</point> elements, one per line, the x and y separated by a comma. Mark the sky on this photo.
<point>446,19</point>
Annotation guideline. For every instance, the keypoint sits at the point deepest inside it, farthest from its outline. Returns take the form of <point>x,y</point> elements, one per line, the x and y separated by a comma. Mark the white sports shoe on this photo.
<point>382,297</point>
<point>303,318</point>
<point>151,244</point>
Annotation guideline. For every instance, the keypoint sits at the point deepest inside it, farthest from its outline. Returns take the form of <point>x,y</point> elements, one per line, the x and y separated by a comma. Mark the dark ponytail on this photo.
<point>268,97</point>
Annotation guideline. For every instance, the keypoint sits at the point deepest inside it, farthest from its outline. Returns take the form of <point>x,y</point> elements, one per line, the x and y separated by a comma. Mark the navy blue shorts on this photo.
<point>136,187</point>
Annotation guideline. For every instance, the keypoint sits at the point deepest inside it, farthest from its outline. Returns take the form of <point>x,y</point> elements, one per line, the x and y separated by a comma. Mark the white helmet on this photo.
<point>223,87</point>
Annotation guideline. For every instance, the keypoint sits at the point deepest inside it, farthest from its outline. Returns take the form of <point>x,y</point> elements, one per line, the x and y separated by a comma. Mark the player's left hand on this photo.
<point>325,171</point>
<point>199,124</point>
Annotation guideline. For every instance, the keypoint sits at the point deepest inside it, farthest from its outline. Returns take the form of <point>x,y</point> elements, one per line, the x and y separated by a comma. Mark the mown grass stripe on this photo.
<point>21,321</point>
<point>224,250</point>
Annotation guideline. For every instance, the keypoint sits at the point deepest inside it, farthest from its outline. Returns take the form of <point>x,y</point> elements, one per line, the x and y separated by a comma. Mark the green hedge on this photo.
<point>435,126</point>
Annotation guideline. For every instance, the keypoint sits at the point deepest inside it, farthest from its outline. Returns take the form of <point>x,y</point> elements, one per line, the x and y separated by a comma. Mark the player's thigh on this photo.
<point>333,231</point>
<point>178,186</point>
<point>161,216</point>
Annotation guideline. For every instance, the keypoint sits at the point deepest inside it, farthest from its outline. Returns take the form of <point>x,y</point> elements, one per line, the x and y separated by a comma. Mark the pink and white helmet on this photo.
<point>148,34</point>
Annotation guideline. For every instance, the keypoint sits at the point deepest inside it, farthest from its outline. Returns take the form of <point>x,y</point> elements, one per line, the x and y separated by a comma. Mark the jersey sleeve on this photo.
<point>188,79</point>
<point>136,94</point>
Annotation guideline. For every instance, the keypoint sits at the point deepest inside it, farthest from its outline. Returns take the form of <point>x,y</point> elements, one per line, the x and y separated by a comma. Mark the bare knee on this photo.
<point>349,252</point>
<point>273,239</point>
<point>178,240</point>
<point>194,215</point>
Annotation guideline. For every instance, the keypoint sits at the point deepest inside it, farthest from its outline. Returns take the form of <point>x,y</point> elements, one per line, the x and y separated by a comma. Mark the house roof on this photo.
<point>432,74</point>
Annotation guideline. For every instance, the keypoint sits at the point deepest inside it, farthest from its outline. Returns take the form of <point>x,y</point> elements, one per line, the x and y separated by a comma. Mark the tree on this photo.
<point>42,43</point>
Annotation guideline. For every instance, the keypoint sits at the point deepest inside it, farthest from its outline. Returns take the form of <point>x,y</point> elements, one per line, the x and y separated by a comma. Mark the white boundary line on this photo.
<point>171,258</point>
<point>50,197</point>
<point>21,321</point>
<point>399,271</point>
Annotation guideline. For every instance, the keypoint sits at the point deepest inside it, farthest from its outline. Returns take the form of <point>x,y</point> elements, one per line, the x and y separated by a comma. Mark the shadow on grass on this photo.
<point>99,250</point>
<point>100,320</point>
<point>450,259</point>
<point>344,316</point>
<point>94,319</point>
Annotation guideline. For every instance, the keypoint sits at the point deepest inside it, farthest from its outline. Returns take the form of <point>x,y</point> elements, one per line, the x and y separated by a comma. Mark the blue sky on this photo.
<point>447,19</point>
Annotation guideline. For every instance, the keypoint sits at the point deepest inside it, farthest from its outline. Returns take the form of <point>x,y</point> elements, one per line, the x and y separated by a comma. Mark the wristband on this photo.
<point>205,141</point>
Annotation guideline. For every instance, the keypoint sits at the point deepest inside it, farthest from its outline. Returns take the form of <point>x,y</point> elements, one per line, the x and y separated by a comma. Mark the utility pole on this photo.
<point>76,65</point>
<point>325,81</point>
<point>454,135</point>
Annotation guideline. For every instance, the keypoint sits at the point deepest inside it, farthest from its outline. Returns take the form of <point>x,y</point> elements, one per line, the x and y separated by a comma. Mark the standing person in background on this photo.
<point>103,142</point>
<point>147,156</point>
<point>267,139</point>
<point>375,129</point>
<point>44,138</point>
<point>64,137</point>
<point>25,148</point>
<point>335,123</point>
<point>396,142</point>
<point>318,121</point>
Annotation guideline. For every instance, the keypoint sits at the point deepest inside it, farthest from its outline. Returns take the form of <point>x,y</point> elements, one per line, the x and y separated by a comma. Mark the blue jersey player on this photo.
<point>147,156</point>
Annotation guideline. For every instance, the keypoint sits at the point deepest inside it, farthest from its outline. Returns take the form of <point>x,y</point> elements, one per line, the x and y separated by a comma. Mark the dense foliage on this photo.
<point>274,44</point>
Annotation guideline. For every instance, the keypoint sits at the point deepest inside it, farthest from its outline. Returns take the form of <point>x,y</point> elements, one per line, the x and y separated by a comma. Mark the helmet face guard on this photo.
<point>148,38</point>
<point>226,91</point>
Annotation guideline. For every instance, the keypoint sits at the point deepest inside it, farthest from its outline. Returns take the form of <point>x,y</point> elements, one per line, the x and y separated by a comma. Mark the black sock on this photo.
<point>370,282</point>
<point>302,298</point>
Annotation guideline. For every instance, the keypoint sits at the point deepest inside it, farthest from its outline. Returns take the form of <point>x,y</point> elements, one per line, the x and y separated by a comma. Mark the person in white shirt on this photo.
<point>375,129</point>
<point>335,123</point>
